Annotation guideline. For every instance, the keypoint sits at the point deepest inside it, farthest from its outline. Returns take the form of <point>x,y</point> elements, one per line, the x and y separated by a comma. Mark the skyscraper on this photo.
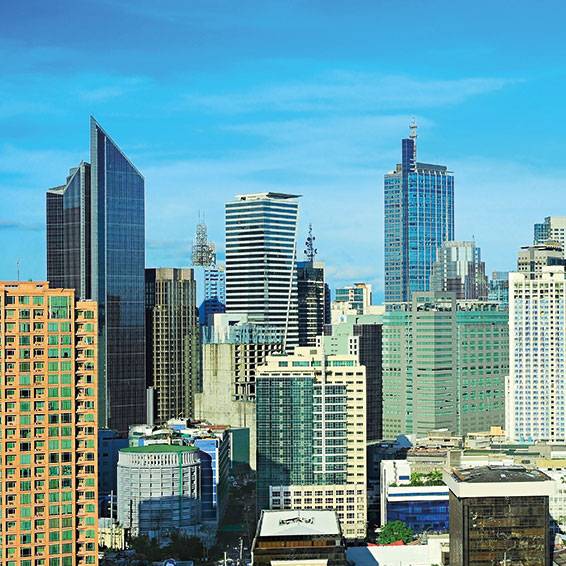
<point>96,245</point>
<point>172,341</point>
<point>48,507</point>
<point>311,435</point>
<point>261,266</point>
<point>459,268</point>
<point>419,217</point>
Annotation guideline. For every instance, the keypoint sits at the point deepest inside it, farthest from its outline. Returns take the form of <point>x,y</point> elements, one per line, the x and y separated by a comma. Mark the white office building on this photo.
<point>261,266</point>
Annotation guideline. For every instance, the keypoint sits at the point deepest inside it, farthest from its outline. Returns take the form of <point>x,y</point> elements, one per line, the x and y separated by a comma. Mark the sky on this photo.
<point>215,98</point>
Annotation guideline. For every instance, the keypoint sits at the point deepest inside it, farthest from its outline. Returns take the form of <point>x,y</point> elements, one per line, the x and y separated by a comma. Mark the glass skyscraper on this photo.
<point>419,218</point>
<point>96,245</point>
<point>261,264</point>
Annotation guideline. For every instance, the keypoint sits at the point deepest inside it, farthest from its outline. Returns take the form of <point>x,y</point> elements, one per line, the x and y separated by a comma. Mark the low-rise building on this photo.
<point>499,515</point>
<point>293,538</point>
<point>422,507</point>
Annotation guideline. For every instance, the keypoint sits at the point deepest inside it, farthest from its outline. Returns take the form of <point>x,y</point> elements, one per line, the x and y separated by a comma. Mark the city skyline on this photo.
<point>210,102</point>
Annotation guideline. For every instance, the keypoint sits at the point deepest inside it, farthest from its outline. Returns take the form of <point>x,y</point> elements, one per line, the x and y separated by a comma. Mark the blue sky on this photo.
<point>211,99</point>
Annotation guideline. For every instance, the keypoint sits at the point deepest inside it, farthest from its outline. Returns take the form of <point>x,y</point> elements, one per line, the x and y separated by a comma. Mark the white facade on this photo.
<point>159,490</point>
<point>552,230</point>
<point>535,404</point>
<point>261,266</point>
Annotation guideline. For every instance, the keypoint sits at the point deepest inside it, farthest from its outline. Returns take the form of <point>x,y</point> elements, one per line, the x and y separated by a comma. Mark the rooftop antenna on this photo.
<point>18,267</point>
<point>310,251</point>
<point>413,135</point>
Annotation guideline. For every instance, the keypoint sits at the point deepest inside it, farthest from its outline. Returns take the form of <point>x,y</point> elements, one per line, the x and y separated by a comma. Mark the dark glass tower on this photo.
<point>96,245</point>
<point>419,218</point>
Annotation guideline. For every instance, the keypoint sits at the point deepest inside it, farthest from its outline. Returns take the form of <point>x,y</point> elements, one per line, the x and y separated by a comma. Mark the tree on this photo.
<point>434,478</point>
<point>395,531</point>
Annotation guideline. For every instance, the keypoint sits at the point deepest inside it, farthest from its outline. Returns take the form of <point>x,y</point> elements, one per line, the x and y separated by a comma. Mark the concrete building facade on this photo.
<point>49,494</point>
<point>159,490</point>
<point>232,350</point>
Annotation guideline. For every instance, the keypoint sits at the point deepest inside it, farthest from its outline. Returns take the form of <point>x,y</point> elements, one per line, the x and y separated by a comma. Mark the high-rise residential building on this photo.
<point>232,350</point>
<point>499,515</point>
<point>311,441</point>
<point>459,268</point>
<point>358,296</point>
<point>361,335</point>
<point>96,245</point>
<point>552,230</point>
<point>536,388</point>
<point>261,266</point>
<point>49,494</point>
<point>419,218</point>
<point>499,288</point>
<point>172,341</point>
<point>444,365</point>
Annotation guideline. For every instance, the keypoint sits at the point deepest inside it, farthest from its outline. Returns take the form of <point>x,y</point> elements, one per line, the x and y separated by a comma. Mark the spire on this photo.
<point>310,251</point>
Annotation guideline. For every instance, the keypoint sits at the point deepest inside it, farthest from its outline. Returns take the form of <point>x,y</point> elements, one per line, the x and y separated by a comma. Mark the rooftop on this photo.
<point>258,196</point>
<point>298,523</point>
<point>158,449</point>
<point>485,474</point>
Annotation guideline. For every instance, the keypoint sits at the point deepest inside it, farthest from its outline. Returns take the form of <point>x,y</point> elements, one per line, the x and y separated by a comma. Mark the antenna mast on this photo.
<point>203,252</point>
<point>413,135</point>
<point>310,251</point>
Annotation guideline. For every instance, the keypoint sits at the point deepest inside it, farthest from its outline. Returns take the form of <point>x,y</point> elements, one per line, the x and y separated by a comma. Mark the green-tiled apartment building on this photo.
<point>444,365</point>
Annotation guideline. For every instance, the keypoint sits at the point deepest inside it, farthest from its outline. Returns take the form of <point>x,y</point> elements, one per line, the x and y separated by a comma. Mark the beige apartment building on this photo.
<point>48,427</point>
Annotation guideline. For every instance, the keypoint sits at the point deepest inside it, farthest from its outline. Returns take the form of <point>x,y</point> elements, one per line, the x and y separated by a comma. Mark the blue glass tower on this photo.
<point>96,245</point>
<point>419,218</point>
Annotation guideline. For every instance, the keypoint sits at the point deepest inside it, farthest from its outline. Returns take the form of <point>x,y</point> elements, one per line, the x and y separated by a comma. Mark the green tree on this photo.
<point>395,531</point>
<point>434,478</point>
<point>416,479</point>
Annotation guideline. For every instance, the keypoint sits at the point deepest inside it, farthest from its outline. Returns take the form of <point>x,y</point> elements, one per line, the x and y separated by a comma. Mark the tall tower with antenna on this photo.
<point>419,218</point>
<point>312,295</point>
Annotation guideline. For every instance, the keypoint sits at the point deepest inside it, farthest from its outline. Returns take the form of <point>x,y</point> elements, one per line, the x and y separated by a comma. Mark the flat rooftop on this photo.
<point>498,481</point>
<point>498,474</point>
<point>298,523</point>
